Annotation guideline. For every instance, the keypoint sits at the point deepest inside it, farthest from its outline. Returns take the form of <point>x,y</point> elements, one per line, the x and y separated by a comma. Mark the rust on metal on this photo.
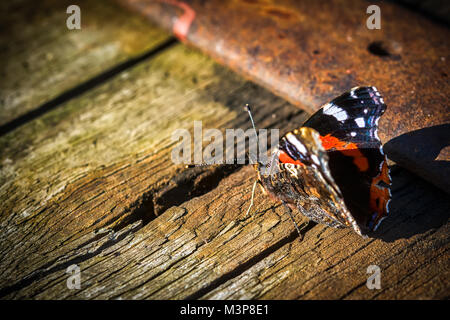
<point>311,51</point>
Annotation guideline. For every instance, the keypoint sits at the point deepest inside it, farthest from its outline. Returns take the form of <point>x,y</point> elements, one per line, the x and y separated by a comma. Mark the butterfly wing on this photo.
<point>348,132</point>
<point>302,180</point>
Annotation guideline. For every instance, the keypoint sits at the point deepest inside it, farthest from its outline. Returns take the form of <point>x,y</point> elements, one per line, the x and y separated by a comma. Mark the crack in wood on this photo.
<point>248,264</point>
<point>50,267</point>
<point>83,87</point>
<point>190,183</point>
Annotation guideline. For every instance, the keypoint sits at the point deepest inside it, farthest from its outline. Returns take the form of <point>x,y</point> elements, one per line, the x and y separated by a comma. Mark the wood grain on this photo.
<point>91,182</point>
<point>207,248</point>
<point>102,161</point>
<point>42,58</point>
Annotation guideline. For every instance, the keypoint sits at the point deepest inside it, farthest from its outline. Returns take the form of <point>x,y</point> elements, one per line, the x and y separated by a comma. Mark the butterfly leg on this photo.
<point>252,198</point>
<point>289,211</point>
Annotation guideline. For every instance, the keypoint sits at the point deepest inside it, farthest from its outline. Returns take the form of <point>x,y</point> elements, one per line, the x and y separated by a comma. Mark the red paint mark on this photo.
<point>284,158</point>
<point>347,148</point>
<point>183,23</point>
<point>379,196</point>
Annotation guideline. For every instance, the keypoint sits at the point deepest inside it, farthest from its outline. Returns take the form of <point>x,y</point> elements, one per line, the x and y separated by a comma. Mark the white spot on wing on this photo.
<point>298,145</point>
<point>335,111</point>
<point>327,107</point>
<point>360,122</point>
<point>353,133</point>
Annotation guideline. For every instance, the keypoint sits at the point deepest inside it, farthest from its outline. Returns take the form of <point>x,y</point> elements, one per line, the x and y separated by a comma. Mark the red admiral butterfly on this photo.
<point>333,169</point>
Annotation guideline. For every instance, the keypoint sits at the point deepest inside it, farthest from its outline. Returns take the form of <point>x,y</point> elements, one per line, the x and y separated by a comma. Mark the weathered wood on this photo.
<point>411,248</point>
<point>191,249</point>
<point>92,183</point>
<point>103,160</point>
<point>42,58</point>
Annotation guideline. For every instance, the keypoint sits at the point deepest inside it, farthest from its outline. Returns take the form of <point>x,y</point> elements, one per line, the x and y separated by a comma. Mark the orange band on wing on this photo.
<point>347,148</point>
<point>379,195</point>
<point>284,158</point>
<point>330,142</point>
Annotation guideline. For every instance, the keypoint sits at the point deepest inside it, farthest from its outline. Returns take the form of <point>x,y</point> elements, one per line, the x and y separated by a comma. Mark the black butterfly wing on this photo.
<point>348,130</point>
<point>351,117</point>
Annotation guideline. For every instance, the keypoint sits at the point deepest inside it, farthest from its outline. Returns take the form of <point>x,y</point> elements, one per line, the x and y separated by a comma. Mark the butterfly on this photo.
<point>333,169</point>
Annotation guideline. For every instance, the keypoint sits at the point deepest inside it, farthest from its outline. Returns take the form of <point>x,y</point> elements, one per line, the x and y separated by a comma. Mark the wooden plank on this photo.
<point>102,161</point>
<point>411,250</point>
<point>91,183</point>
<point>207,248</point>
<point>42,58</point>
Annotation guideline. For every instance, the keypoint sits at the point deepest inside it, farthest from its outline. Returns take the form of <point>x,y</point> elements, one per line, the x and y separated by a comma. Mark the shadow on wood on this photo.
<point>436,139</point>
<point>404,220</point>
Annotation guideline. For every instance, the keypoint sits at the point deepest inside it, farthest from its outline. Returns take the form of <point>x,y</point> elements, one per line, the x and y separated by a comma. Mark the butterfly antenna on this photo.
<point>272,160</point>
<point>203,164</point>
<point>247,107</point>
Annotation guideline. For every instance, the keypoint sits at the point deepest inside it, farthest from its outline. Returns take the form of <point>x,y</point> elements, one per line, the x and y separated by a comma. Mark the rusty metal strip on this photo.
<point>310,51</point>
